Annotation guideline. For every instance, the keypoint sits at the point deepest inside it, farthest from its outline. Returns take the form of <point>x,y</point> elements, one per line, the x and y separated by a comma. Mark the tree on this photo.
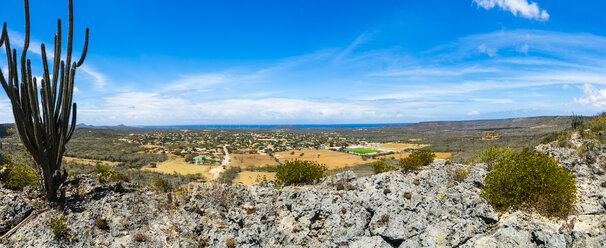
<point>43,120</point>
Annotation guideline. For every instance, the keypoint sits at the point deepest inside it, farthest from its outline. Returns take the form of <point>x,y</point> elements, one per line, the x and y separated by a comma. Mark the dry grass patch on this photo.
<point>541,126</point>
<point>440,155</point>
<point>178,164</point>
<point>250,177</point>
<point>89,161</point>
<point>246,160</point>
<point>332,159</point>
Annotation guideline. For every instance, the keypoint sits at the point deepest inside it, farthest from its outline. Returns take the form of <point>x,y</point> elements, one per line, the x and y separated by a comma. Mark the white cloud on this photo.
<point>522,7</point>
<point>473,112</point>
<point>592,95</point>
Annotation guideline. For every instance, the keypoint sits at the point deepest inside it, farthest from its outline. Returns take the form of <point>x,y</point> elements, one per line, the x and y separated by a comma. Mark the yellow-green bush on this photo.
<point>410,164</point>
<point>299,172</point>
<point>380,167</point>
<point>58,226</point>
<point>16,176</point>
<point>425,156</point>
<point>492,154</point>
<point>532,180</point>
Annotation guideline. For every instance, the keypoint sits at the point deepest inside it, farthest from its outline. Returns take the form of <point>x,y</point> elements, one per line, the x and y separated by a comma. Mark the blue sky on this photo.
<point>323,62</point>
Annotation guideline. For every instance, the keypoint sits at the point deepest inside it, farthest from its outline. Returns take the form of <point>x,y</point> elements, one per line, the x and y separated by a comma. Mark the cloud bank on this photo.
<point>592,96</point>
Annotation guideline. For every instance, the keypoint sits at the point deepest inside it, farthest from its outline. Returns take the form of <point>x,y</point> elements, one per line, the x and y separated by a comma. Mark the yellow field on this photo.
<point>440,155</point>
<point>245,160</point>
<point>178,164</point>
<point>88,161</point>
<point>250,177</point>
<point>541,126</point>
<point>331,159</point>
<point>397,147</point>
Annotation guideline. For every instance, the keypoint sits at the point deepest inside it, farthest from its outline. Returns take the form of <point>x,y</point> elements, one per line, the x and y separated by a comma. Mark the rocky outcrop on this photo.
<point>422,209</point>
<point>13,210</point>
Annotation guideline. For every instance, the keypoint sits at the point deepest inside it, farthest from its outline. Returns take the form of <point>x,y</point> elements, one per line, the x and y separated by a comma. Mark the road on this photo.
<point>217,171</point>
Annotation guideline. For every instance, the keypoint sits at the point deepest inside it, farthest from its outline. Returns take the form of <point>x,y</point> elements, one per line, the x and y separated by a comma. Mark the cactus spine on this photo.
<point>44,132</point>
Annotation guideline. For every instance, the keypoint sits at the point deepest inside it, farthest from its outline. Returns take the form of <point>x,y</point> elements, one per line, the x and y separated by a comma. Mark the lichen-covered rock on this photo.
<point>13,209</point>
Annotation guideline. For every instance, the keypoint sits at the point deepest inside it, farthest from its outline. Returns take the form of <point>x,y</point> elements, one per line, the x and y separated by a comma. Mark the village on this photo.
<point>211,152</point>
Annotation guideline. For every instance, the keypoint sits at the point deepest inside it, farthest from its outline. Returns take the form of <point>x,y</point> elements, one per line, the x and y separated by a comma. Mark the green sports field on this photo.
<point>362,150</point>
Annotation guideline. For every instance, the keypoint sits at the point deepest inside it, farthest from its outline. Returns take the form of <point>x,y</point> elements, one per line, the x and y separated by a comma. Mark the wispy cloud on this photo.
<point>361,39</point>
<point>492,100</point>
<point>98,78</point>
<point>516,7</point>
<point>434,71</point>
<point>204,82</point>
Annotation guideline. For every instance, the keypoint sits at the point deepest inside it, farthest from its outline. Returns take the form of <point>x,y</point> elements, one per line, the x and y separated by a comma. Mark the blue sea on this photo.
<point>280,125</point>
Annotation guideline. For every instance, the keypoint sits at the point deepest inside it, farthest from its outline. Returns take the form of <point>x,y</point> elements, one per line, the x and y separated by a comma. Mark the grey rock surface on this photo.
<point>420,209</point>
<point>13,209</point>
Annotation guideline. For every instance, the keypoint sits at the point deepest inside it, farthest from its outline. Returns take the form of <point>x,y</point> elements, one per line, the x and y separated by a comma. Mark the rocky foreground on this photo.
<point>423,209</point>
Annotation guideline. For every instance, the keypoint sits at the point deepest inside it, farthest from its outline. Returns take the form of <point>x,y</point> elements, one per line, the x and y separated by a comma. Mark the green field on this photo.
<point>362,150</point>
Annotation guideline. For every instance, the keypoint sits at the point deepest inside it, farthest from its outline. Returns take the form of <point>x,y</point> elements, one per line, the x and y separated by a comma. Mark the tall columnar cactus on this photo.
<point>43,120</point>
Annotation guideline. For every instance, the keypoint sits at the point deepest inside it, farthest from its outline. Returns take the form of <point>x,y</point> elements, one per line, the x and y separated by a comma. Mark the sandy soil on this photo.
<point>331,159</point>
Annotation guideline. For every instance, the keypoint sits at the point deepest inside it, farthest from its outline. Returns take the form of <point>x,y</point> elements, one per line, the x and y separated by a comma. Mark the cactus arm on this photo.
<point>84,50</point>
<point>70,33</point>
<point>56,62</point>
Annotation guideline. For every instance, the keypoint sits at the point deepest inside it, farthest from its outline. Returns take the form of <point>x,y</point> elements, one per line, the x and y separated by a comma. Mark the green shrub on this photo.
<point>58,226</point>
<point>533,180</point>
<point>425,156</point>
<point>16,176</point>
<point>575,121</point>
<point>565,143</point>
<point>380,167</point>
<point>103,172</point>
<point>491,155</point>
<point>228,176</point>
<point>410,164</point>
<point>161,185</point>
<point>299,172</point>
<point>106,174</point>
